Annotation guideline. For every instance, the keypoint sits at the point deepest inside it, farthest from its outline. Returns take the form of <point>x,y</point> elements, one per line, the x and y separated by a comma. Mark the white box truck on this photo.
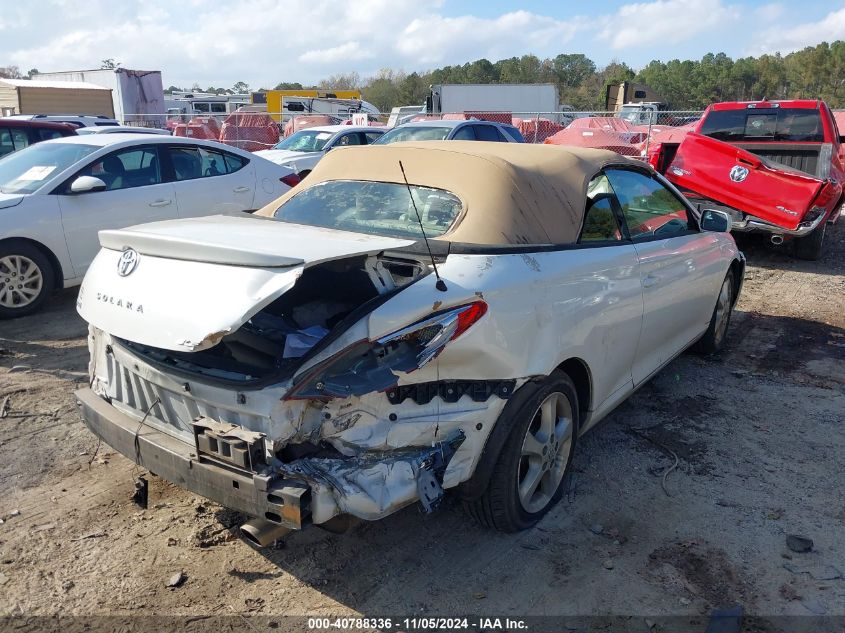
<point>518,99</point>
<point>138,95</point>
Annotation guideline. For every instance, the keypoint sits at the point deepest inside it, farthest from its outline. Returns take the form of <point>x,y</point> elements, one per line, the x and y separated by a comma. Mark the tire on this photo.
<point>26,279</point>
<point>714,338</point>
<point>810,246</point>
<point>510,503</point>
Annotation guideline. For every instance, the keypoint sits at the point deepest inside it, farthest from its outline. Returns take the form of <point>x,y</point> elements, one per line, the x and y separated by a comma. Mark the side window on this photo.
<point>488,133</point>
<point>234,163</point>
<point>218,108</point>
<point>45,135</point>
<point>466,133</point>
<point>200,107</point>
<point>372,137</point>
<point>650,209</point>
<point>20,138</point>
<point>6,145</point>
<point>348,139</point>
<point>600,223</point>
<point>191,162</point>
<point>187,162</point>
<point>125,169</point>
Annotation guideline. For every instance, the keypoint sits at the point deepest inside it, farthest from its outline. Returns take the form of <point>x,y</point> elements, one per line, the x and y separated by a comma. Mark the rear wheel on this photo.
<point>810,247</point>
<point>26,279</point>
<point>528,477</point>
<point>714,338</point>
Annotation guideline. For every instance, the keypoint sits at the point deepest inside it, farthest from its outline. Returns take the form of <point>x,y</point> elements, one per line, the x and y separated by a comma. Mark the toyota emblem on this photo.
<point>738,173</point>
<point>127,263</point>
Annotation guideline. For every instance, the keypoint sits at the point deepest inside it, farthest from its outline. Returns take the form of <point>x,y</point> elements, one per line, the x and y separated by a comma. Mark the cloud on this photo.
<point>344,52</point>
<point>663,22</point>
<point>435,39</point>
<point>785,40</point>
<point>770,12</point>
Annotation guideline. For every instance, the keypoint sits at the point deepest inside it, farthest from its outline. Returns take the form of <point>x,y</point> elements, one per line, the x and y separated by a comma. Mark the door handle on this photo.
<point>650,280</point>
<point>240,189</point>
<point>160,203</point>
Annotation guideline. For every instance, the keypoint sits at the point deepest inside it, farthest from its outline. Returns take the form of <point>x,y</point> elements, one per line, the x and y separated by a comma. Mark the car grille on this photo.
<point>169,411</point>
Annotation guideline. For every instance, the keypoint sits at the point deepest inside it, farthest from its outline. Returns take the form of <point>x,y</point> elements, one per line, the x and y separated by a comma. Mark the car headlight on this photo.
<point>370,366</point>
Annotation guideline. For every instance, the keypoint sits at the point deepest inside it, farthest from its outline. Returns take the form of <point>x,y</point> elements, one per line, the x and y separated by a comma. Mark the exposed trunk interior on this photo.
<point>276,340</point>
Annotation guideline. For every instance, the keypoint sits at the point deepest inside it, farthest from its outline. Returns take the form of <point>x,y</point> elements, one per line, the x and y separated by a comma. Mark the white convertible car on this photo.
<point>310,363</point>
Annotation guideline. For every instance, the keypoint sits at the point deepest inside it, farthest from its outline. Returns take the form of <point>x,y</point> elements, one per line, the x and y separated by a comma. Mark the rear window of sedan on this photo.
<point>411,133</point>
<point>377,208</point>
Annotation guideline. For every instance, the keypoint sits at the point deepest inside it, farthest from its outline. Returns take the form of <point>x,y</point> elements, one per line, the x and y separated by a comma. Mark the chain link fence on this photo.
<point>631,131</point>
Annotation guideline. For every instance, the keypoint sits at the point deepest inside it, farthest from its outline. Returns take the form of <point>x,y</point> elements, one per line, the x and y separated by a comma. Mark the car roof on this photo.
<point>128,138</point>
<point>439,123</point>
<point>512,193</point>
<point>340,128</point>
<point>37,123</point>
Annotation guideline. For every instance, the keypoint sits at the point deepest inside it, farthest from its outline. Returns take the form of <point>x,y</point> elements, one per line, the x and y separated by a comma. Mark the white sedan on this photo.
<point>371,342</point>
<point>303,150</point>
<point>55,196</point>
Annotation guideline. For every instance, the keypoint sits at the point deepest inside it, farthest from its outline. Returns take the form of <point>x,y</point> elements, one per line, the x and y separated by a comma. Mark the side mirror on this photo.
<point>716,221</point>
<point>86,184</point>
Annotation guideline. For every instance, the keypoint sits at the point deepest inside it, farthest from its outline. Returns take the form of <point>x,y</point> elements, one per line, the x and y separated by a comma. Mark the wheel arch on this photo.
<point>55,264</point>
<point>577,370</point>
<point>737,267</point>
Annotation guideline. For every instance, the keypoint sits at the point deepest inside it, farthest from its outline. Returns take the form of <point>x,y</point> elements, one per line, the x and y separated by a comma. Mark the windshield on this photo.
<point>26,170</point>
<point>414,133</point>
<point>377,208</point>
<point>767,124</point>
<point>305,141</point>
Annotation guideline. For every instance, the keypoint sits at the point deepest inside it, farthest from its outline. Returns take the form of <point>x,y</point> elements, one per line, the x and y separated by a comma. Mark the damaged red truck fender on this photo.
<point>775,166</point>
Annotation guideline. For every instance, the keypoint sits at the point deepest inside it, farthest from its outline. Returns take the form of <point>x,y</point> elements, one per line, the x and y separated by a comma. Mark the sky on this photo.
<point>262,42</point>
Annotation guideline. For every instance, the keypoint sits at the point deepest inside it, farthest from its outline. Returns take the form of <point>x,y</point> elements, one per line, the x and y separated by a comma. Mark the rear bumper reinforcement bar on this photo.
<point>282,501</point>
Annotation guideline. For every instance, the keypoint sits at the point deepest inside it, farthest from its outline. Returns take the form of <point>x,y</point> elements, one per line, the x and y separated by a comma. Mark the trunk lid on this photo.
<point>739,179</point>
<point>191,282</point>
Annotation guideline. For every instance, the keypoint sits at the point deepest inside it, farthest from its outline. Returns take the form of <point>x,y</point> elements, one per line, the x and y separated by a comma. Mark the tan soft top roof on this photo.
<point>512,193</point>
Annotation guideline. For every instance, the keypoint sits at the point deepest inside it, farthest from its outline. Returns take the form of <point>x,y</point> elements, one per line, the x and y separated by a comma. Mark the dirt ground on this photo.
<point>759,435</point>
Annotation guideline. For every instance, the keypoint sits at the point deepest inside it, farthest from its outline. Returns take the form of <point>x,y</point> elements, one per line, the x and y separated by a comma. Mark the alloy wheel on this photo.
<point>546,450</point>
<point>21,281</point>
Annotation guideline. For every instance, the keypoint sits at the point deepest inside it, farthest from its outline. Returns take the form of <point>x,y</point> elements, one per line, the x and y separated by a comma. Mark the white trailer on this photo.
<point>518,99</point>
<point>137,95</point>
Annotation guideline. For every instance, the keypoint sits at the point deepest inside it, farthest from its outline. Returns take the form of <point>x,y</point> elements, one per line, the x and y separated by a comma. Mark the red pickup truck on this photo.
<point>774,166</point>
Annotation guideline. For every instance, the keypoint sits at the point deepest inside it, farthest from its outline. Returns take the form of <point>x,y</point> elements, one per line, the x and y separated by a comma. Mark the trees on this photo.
<point>109,64</point>
<point>10,72</point>
<point>240,87</point>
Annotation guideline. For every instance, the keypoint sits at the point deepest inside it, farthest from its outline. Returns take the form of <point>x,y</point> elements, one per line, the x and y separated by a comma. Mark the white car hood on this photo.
<point>10,199</point>
<point>196,280</point>
<point>284,156</point>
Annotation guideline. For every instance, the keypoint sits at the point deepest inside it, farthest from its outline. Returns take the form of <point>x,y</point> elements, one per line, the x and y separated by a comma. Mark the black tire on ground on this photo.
<point>714,338</point>
<point>501,506</point>
<point>810,246</point>
<point>26,279</point>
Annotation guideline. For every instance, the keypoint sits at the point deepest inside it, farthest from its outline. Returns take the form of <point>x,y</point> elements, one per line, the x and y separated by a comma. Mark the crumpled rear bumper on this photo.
<point>292,495</point>
<point>285,502</point>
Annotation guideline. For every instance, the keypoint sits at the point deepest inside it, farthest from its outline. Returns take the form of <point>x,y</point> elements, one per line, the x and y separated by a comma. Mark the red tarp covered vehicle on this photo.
<point>250,131</point>
<point>619,142</point>
<point>774,166</point>
<point>536,130</point>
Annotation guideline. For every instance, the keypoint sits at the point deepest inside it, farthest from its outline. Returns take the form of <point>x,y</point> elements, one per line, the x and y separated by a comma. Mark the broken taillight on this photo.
<point>291,180</point>
<point>370,366</point>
